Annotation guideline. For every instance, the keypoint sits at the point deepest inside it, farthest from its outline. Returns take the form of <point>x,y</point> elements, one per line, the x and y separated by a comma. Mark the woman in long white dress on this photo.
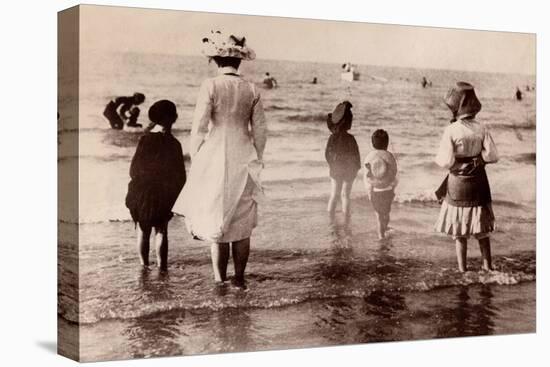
<point>465,148</point>
<point>228,138</point>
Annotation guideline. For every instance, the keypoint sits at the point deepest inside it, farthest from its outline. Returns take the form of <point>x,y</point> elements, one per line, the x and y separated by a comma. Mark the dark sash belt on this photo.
<point>466,185</point>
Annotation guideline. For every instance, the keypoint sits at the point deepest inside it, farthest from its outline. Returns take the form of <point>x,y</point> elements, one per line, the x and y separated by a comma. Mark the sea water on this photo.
<point>309,284</point>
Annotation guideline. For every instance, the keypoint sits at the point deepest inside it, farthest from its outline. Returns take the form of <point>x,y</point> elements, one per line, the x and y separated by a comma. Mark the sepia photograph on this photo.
<point>238,183</point>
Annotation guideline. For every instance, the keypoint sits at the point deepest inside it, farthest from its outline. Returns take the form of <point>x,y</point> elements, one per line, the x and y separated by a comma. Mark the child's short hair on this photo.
<point>163,113</point>
<point>380,139</point>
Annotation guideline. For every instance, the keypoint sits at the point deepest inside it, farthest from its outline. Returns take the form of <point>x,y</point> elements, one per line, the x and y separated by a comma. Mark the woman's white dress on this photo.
<point>465,138</point>
<point>228,138</point>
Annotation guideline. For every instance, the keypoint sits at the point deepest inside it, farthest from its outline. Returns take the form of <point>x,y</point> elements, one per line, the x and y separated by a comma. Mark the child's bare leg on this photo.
<point>346,202</point>
<point>336,189</point>
<point>161,246</point>
<point>380,225</point>
<point>461,253</point>
<point>220,257</point>
<point>143,235</point>
<point>385,221</point>
<point>240,250</point>
<point>485,248</point>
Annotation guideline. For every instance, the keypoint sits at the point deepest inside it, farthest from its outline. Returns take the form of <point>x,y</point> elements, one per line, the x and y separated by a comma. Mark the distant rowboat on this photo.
<point>350,76</point>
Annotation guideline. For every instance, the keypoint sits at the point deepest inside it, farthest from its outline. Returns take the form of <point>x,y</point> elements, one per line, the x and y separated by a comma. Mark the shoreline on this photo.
<point>311,261</point>
<point>456,311</point>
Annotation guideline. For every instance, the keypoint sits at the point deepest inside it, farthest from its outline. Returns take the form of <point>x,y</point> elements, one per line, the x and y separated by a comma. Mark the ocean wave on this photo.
<point>119,213</point>
<point>281,108</point>
<point>328,281</point>
<point>529,158</point>
<point>311,117</point>
<point>112,157</point>
<point>530,125</point>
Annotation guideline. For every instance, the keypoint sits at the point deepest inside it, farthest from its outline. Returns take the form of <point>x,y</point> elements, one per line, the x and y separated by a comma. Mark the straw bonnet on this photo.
<point>337,121</point>
<point>337,116</point>
<point>218,44</point>
<point>378,168</point>
<point>382,169</point>
<point>462,100</point>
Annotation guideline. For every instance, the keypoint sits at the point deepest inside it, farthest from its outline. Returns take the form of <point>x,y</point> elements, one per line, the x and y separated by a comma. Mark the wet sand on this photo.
<point>310,286</point>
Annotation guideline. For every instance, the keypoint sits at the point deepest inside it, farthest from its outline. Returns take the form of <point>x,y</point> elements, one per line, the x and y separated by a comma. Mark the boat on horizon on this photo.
<point>349,73</point>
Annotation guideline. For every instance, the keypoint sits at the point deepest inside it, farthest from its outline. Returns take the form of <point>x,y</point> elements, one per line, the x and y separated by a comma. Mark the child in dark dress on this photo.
<point>342,155</point>
<point>157,176</point>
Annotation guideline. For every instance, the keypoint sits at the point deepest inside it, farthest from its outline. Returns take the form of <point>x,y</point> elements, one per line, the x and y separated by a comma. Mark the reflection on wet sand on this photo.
<point>471,314</point>
<point>231,331</point>
<point>340,259</point>
<point>153,336</point>
<point>172,333</point>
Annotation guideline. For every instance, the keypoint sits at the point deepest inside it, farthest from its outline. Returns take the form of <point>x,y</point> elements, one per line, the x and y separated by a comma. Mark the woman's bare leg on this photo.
<point>240,250</point>
<point>346,203</point>
<point>461,253</point>
<point>220,258</point>
<point>336,189</point>
<point>161,246</point>
<point>143,235</point>
<point>485,248</point>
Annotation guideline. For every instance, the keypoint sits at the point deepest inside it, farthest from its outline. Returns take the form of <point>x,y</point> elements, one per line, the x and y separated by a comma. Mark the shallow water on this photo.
<point>378,317</point>
<point>317,285</point>
<point>309,283</point>
<point>296,114</point>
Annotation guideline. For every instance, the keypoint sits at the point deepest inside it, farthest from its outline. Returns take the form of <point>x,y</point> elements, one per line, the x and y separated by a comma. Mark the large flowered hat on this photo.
<point>218,44</point>
<point>462,100</point>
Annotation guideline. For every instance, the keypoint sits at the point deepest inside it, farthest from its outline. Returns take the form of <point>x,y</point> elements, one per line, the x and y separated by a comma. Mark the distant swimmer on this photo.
<point>424,82</point>
<point>314,81</point>
<point>270,82</point>
<point>519,95</point>
<point>527,88</point>
<point>124,110</point>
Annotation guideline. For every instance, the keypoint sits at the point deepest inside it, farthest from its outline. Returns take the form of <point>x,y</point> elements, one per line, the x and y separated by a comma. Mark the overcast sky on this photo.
<point>180,32</point>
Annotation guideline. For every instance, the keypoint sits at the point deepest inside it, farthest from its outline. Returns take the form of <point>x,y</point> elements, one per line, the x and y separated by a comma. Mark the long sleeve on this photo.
<point>181,175</point>
<point>201,117</point>
<point>356,155</point>
<point>396,178</point>
<point>366,181</point>
<point>176,175</point>
<point>329,150</point>
<point>137,165</point>
<point>445,155</point>
<point>489,152</point>
<point>258,127</point>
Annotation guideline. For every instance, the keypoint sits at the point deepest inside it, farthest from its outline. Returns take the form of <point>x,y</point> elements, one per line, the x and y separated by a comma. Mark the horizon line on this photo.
<point>324,62</point>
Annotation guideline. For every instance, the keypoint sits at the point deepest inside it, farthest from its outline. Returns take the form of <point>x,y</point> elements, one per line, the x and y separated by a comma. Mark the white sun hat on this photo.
<point>218,44</point>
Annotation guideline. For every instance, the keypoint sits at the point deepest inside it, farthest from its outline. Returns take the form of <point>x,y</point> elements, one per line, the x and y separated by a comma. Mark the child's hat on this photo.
<point>378,168</point>
<point>163,113</point>
<point>218,44</point>
<point>341,110</point>
<point>462,100</point>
